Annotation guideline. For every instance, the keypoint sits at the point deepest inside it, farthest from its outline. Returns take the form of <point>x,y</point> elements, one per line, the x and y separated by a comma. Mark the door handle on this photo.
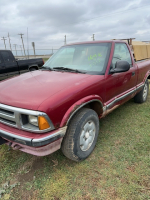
<point>133,73</point>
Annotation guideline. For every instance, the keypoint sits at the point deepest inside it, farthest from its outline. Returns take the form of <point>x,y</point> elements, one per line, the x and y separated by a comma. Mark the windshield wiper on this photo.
<point>46,68</point>
<point>69,69</point>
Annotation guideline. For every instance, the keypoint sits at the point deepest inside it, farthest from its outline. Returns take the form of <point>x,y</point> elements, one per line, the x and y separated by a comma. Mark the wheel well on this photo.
<point>96,106</point>
<point>148,77</point>
<point>35,67</point>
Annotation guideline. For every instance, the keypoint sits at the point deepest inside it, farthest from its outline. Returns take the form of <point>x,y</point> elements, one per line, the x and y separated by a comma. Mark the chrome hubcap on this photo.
<point>87,135</point>
<point>145,91</point>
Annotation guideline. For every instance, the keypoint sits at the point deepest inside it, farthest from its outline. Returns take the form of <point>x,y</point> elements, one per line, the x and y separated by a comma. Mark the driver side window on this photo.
<point>121,52</point>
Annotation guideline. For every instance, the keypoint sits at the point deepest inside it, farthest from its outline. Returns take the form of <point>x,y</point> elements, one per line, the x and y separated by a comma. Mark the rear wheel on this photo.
<point>32,69</point>
<point>141,97</point>
<point>81,135</point>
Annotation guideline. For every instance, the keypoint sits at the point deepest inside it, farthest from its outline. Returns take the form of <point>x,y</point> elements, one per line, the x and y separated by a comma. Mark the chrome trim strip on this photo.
<point>120,98</point>
<point>17,118</point>
<point>12,118</point>
<point>34,142</point>
<point>19,110</point>
<point>123,96</point>
<point>139,87</point>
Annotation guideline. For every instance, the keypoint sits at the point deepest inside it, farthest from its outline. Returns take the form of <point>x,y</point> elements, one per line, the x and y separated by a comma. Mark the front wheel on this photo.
<point>141,97</point>
<point>81,135</point>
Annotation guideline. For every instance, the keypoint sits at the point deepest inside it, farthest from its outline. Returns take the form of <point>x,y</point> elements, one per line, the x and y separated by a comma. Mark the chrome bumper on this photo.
<point>37,142</point>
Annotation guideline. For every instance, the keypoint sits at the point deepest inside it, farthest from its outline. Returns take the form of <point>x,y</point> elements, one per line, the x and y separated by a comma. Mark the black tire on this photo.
<point>32,69</point>
<point>85,121</point>
<point>141,97</point>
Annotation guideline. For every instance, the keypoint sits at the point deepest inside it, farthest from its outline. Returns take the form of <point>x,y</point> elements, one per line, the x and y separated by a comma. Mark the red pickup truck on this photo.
<point>60,105</point>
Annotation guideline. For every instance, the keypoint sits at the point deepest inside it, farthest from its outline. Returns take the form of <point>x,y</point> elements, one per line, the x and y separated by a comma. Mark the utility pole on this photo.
<point>15,48</point>
<point>9,42</point>
<point>33,45</point>
<point>4,41</point>
<point>21,49</point>
<point>22,42</point>
<point>93,37</point>
<point>65,41</point>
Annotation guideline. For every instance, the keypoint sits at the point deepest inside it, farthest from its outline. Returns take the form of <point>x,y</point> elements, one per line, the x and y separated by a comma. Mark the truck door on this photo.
<point>3,73</point>
<point>10,63</point>
<point>123,84</point>
<point>125,81</point>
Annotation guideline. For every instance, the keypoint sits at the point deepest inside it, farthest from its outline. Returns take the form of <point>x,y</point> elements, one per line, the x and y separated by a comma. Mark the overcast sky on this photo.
<point>49,21</point>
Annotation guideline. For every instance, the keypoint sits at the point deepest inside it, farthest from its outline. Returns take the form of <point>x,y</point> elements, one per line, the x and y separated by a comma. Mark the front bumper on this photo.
<point>36,141</point>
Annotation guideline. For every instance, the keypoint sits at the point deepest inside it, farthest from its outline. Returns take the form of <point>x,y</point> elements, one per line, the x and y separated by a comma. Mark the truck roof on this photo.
<point>4,50</point>
<point>95,42</point>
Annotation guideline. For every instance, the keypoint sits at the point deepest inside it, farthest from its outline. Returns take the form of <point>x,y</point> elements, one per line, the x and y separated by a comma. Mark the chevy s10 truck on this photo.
<point>59,106</point>
<point>10,67</point>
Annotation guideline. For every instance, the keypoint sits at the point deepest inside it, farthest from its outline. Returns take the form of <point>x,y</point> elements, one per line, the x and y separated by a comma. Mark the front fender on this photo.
<point>79,104</point>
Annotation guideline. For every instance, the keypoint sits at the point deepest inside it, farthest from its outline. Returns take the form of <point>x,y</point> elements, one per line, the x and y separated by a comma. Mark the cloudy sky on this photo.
<point>49,21</point>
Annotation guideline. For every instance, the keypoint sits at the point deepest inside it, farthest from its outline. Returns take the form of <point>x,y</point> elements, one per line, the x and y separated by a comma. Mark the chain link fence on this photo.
<point>38,52</point>
<point>44,53</point>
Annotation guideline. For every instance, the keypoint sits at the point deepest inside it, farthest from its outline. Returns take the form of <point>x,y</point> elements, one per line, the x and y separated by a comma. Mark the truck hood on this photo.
<point>31,89</point>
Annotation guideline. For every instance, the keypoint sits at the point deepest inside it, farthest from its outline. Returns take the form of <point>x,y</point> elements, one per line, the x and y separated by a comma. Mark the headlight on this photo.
<point>33,120</point>
<point>39,121</point>
<point>36,123</point>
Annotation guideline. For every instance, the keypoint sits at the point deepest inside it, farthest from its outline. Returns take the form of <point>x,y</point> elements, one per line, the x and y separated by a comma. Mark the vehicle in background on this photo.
<point>10,67</point>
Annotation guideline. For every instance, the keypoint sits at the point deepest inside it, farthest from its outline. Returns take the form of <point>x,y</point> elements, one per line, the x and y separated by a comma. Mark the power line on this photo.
<point>106,15</point>
<point>115,13</point>
<point>90,19</point>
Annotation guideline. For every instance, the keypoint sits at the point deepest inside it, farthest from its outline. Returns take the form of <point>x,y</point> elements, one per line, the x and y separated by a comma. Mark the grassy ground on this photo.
<point>119,167</point>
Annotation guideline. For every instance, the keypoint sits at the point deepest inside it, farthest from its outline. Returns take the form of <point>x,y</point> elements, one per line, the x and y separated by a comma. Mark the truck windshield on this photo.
<point>89,58</point>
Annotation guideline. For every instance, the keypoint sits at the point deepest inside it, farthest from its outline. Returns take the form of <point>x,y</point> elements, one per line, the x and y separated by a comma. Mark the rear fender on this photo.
<point>78,105</point>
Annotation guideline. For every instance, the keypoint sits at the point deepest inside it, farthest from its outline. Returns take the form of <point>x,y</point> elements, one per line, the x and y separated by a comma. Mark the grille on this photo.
<point>7,116</point>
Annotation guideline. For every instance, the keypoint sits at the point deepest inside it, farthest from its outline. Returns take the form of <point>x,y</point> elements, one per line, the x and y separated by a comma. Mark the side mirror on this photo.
<point>120,66</point>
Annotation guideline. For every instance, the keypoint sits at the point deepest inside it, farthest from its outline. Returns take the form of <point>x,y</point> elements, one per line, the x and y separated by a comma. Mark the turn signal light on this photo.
<point>43,123</point>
